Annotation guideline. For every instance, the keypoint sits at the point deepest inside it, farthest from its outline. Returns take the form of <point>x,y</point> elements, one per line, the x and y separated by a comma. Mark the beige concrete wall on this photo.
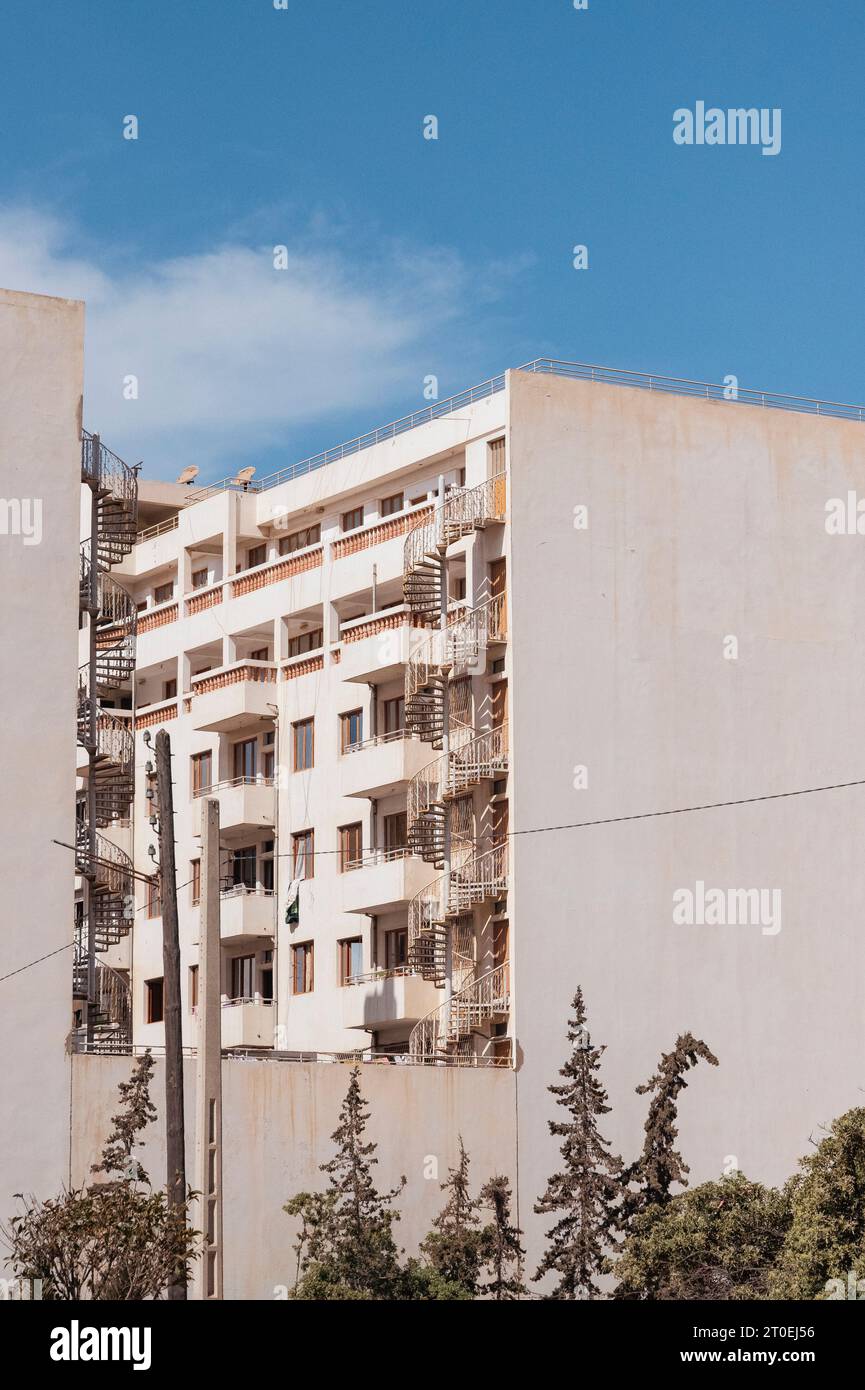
<point>706,520</point>
<point>41,349</point>
<point>277,1121</point>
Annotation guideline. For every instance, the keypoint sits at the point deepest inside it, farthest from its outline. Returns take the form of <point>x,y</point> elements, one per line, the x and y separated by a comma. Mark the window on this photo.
<point>395,948</point>
<point>245,759</point>
<point>140,607</point>
<point>268,764</point>
<point>304,744</point>
<point>301,968</point>
<point>351,520</point>
<point>243,867</point>
<point>496,456</point>
<point>260,654</point>
<point>416,501</point>
<point>350,959</point>
<point>350,729</point>
<point>193,988</point>
<point>389,505</point>
<point>265,976</point>
<point>242,975</point>
<point>202,772</point>
<point>266,865</point>
<point>154,906</point>
<point>199,579</point>
<point>163,592</point>
<point>169,690</point>
<point>393,712</point>
<point>305,642</point>
<point>459,587</point>
<point>195,867</point>
<point>350,846</point>
<point>303,854</point>
<point>154,1011</point>
<point>395,835</point>
<point>256,555</point>
<point>299,540</point>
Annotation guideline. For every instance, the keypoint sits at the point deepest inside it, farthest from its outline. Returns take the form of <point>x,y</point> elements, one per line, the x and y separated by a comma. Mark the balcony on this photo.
<point>232,696</point>
<point>387,997</point>
<point>246,914</point>
<point>383,880</point>
<point>246,804</point>
<point>378,766</point>
<point>377,648</point>
<point>248,1022</point>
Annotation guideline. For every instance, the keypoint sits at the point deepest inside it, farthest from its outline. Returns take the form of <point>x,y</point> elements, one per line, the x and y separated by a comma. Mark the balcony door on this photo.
<point>245,760</point>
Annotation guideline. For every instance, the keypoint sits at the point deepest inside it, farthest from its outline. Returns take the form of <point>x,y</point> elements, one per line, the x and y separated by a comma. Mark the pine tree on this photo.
<point>455,1246</point>
<point>660,1165</point>
<point>586,1192</point>
<point>136,1113</point>
<point>348,1232</point>
<point>504,1254</point>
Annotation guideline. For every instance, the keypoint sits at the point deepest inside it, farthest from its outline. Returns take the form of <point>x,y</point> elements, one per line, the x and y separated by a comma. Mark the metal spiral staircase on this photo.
<point>109,742</point>
<point>437,708</point>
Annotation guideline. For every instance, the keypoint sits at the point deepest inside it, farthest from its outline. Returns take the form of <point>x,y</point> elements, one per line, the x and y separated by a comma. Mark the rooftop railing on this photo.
<point>581,371</point>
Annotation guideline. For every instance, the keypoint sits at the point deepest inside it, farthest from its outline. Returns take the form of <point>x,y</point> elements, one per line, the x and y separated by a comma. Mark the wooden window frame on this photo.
<point>345,720</point>
<point>347,520</point>
<point>307,838</point>
<point>303,951</point>
<point>151,994</point>
<point>296,726</point>
<point>387,507</point>
<point>348,862</point>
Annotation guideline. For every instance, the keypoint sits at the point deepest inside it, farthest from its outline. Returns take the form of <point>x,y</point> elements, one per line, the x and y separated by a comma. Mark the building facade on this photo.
<point>485,698</point>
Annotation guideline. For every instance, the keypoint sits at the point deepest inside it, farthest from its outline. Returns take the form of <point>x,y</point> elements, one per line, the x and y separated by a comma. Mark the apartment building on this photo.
<point>328,652</point>
<point>459,687</point>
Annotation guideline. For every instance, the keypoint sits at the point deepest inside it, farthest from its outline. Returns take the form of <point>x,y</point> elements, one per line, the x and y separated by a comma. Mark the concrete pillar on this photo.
<point>208,1090</point>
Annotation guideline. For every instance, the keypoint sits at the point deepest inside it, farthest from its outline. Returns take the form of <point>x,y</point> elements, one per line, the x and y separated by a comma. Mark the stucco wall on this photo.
<point>277,1121</point>
<point>706,519</point>
<point>41,351</point>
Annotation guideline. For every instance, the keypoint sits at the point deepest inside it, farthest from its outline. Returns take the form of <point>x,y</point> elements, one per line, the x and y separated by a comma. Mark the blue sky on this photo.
<point>410,257</point>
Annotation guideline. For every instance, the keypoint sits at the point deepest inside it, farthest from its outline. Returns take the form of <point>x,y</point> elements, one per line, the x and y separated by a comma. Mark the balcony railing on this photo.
<point>257,671</point>
<point>275,571</point>
<point>158,616</point>
<point>203,598</point>
<point>161,528</point>
<point>378,532</point>
<point>371,977</point>
<point>254,781</point>
<point>375,742</point>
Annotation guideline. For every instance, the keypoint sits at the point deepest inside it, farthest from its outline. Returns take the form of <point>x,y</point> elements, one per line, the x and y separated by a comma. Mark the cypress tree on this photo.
<point>585,1193</point>
<point>504,1254</point>
<point>455,1246</point>
<point>660,1165</point>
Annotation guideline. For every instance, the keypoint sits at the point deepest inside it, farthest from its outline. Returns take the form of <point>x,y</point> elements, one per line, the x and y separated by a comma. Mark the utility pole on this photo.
<point>208,1091</point>
<point>175,1145</point>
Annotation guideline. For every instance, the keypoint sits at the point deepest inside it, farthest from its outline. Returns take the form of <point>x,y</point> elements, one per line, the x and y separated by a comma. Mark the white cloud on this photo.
<point>230,353</point>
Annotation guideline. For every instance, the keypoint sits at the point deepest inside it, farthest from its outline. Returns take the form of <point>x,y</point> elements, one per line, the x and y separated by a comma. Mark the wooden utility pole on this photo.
<point>208,1090</point>
<point>175,1142</point>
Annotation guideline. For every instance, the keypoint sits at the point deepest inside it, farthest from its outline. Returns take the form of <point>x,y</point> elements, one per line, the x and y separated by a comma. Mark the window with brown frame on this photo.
<point>256,555</point>
<point>154,1001</point>
<point>245,757</point>
<point>393,715</point>
<point>163,592</point>
<point>303,854</point>
<point>202,772</point>
<point>395,835</point>
<point>395,948</point>
<point>350,729</point>
<point>260,654</point>
<point>352,519</point>
<point>350,958</point>
<point>154,905</point>
<point>350,847</point>
<point>299,540</point>
<point>496,456</point>
<point>199,579</point>
<point>169,690</point>
<point>302,974</point>
<point>303,744</point>
<point>394,503</point>
<point>306,642</point>
<point>195,868</point>
<point>243,977</point>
